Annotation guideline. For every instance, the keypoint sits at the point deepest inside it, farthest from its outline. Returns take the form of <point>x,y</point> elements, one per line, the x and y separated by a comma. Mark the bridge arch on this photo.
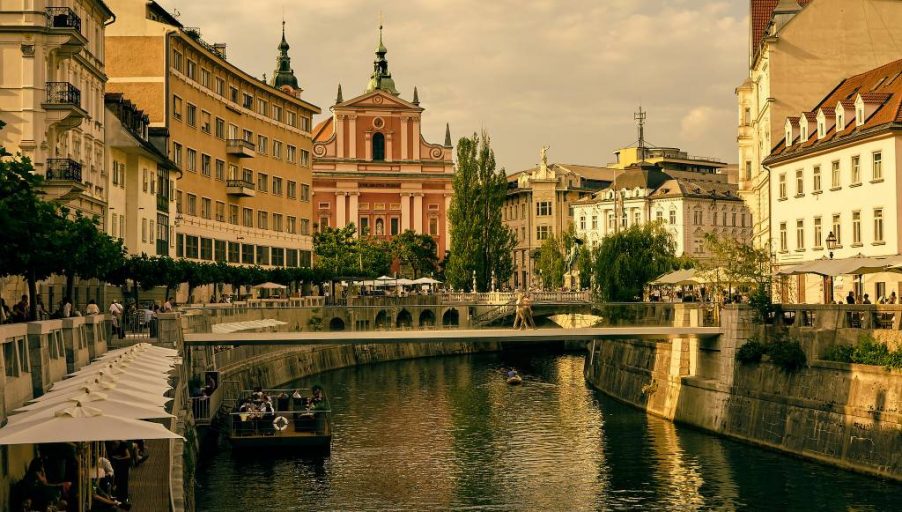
<point>383,321</point>
<point>451,318</point>
<point>336,324</point>
<point>427,318</point>
<point>404,319</point>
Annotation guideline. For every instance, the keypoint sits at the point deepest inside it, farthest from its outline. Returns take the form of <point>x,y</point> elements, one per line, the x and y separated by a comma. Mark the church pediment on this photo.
<point>377,99</point>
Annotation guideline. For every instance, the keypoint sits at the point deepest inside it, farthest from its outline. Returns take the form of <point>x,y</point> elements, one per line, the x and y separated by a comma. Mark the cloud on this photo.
<point>532,72</point>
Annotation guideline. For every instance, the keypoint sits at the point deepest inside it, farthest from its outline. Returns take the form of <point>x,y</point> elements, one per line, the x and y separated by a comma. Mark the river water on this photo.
<point>449,434</point>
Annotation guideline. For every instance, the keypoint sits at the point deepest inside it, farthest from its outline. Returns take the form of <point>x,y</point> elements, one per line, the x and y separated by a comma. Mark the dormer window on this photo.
<point>788,132</point>
<point>821,124</point>
<point>859,111</point>
<point>840,120</point>
<point>803,128</point>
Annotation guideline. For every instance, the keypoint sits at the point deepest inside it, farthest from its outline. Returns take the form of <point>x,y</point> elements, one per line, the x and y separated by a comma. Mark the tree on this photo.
<point>738,263</point>
<point>416,251</point>
<point>335,250</point>
<point>626,261</point>
<point>86,252</point>
<point>551,263</point>
<point>481,244</point>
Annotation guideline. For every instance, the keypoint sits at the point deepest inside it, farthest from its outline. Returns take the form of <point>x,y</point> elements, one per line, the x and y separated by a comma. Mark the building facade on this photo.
<point>53,82</point>
<point>797,50</point>
<point>372,166</point>
<point>834,176</point>
<point>243,146</point>
<point>538,207</point>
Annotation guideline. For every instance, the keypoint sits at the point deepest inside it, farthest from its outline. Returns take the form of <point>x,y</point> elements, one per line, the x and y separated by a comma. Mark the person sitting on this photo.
<point>850,298</point>
<point>282,402</point>
<point>269,415</point>
<point>892,298</point>
<point>92,308</point>
<point>43,493</point>
<point>866,300</point>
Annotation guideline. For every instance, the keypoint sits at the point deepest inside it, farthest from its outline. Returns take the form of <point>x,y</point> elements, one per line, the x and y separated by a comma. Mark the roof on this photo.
<point>762,12</point>
<point>882,88</point>
<point>590,172</point>
<point>323,130</point>
<point>679,187</point>
<point>642,176</point>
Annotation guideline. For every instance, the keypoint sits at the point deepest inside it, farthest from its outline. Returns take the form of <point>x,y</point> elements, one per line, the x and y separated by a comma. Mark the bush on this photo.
<point>751,352</point>
<point>867,351</point>
<point>839,353</point>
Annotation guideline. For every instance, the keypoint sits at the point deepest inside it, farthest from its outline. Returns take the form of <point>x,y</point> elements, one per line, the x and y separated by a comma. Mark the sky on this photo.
<point>564,73</point>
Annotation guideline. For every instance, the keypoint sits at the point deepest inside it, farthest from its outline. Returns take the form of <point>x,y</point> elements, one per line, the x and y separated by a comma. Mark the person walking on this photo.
<point>116,313</point>
<point>527,312</point>
<point>519,321</point>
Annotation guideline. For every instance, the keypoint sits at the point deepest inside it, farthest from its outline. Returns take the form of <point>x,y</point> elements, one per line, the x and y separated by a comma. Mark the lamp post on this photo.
<point>831,246</point>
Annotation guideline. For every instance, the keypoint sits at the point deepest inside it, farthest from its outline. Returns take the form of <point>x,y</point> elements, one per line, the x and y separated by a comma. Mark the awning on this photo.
<point>250,325</point>
<point>846,266</point>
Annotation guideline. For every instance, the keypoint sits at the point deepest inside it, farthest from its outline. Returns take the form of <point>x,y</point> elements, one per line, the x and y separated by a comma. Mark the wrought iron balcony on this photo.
<point>63,93</point>
<point>63,169</point>
<point>240,188</point>
<point>240,148</point>
<point>62,17</point>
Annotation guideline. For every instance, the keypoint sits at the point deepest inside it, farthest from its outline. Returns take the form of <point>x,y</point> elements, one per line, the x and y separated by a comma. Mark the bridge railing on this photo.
<point>840,316</point>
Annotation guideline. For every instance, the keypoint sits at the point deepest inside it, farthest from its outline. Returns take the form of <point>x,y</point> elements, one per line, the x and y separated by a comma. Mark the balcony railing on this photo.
<point>63,93</point>
<point>62,17</point>
<point>63,169</point>
<point>240,147</point>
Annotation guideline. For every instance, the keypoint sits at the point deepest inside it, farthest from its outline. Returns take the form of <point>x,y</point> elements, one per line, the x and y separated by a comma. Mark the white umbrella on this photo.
<point>110,390</point>
<point>142,348</point>
<point>426,280</point>
<point>158,385</point>
<point>270,286</point>
<point>100,401</point>
<point>82,424</point>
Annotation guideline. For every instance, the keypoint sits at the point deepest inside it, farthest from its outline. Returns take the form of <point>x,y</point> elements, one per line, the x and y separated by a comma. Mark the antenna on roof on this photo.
<point>640,118</point>
<point>176,13</point>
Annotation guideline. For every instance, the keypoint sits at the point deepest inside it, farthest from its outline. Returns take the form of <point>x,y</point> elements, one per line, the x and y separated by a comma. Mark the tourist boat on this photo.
<point>303,425</point>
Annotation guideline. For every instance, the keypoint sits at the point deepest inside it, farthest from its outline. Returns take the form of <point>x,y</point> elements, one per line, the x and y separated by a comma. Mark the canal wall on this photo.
<point>846,415</point>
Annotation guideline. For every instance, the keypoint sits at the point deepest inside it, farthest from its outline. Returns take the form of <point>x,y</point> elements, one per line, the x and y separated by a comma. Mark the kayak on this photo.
<point>516,380</point>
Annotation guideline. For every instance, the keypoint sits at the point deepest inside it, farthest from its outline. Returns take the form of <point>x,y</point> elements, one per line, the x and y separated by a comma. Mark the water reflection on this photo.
<point>449,434</point>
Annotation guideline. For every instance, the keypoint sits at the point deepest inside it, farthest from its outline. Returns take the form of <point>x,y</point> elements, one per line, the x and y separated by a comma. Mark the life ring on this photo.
<point>280,423</point>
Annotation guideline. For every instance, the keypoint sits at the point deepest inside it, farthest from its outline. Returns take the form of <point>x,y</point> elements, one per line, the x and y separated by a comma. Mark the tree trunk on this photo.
<point>70,285</point>
<point>32,297</point>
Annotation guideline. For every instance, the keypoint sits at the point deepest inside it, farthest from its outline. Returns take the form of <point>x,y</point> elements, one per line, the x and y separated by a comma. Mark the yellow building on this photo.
<point>52,102</point>
<point>243,145</point>
<point>798,50</point>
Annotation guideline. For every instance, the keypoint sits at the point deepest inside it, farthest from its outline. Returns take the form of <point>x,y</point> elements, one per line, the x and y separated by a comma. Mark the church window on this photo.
<point>378,147</point>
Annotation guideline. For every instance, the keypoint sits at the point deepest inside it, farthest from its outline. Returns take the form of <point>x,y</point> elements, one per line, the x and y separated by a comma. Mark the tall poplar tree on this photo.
<point>481,244</point>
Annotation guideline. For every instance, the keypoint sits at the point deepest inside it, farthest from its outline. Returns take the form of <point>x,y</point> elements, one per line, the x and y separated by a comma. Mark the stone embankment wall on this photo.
<point>842,414</point>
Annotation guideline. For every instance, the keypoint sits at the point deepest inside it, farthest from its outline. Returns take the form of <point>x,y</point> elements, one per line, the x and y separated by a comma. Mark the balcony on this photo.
<point>64,23</point>
<point>63,169</point>
<point>241,188</point>
<point>240,148</point>
<point>63,105</point>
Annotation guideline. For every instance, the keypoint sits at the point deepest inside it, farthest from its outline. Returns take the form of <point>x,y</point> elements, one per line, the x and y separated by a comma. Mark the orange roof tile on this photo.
<point>323,130</point>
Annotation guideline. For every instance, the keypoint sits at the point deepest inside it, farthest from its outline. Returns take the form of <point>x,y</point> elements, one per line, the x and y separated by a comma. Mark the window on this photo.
<point>220,128</point>
<point>276,149</point>
<point>234,255</point>
<point>205,208</point>
<point>206,248</point>
<point>542,232</point>
<point>278,257</point>
<point>800,234</point>
<point>220,211</point>
<point>305,192</point>
<point>192,160</point>
<point>856,227</point>
<point>637,217</point>
<point>205,121</point>
<point>205,78</point>
<point>220,247</point>
<point>176,60</point>
<point>818,235</point>
<point>177,107</point>
<point>248,101</point>
<point>262,255</point>
<point>262,143</point>
<point>233,214</point>
<point>219,86</point>
<point>247,219</point>
<point>800,183</point>
<point>178,201</point>
<point>595,222</point>
<point>262,219</point>
<point>292,190</point>
<point>145,180</point>
<point>291,257</point>
<point>305,158</point>
<point>856,170</point>
<point>262,107</point>
<point>543,208</point>
<point>192,115</point>
<point>582,223</point>
<point>247,253</point>
<point>180,245</point>
<point>205,164</point>
<point>394,226</point>
<point>877,166</point>
<point>220,170</point>
<point>378,147</point>
<point>748,170</point>
<point>782,191</point>
<point>192,204</point>
<point>305,123</point>
<point>672,218</point>
<point>191,69</point>
<point>697,217</point>
<point>277,185</point>
<point>262,182</point>
<point>837,229</point>
<point>248,136</point>
<point>233,94</point>
<point>433,225</point>
<point>277,222</point>
<point>292,154</point>
<point>835,180</point>
<point>816,181</point>
<point>783,243</point>
<point>305,226</point>
<point>191,247</point>
<point>292,119</point>
<point>840,121</point>
<point>144,230</point>
<point>292,225</point>
<point>248,176</point>
<point>277,113</point>
<point>878,225</point>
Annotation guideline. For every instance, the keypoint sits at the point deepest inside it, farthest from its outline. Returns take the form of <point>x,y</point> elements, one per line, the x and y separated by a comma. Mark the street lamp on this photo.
<point>831,243</point>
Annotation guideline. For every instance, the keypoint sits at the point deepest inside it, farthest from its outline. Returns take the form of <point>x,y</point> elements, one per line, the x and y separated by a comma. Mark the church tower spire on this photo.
<point>381,78</point>
<point>283,75</point>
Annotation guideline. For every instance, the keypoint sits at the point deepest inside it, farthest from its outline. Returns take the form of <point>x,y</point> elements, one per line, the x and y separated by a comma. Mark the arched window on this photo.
<point>378,147</point>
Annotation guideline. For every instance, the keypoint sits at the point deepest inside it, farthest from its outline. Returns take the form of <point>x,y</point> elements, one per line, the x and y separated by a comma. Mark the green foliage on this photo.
<point>416,252</point>
<point>734,263</point>
<point>751,352</point>
<point>867,351</point>
<point>626,261</point>
<point>339,252</point>
<point>550,263</point>
<point>480,242</point>
<point>760,300</point>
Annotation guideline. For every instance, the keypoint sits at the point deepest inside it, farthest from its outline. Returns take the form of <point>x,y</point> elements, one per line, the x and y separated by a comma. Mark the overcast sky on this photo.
<point>567,73</point>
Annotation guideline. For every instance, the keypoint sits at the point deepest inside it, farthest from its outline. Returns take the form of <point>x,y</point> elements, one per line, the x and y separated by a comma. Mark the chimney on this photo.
<point>221,48</point>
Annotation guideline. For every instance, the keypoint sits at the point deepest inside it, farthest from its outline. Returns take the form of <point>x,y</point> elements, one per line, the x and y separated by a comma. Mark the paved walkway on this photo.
<point>149,483</point>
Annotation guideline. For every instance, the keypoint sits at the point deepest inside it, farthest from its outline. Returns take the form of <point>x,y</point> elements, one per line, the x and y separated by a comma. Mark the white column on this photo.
<point>340,221</point>
<point>416,139</point>
<point>446,223</point>
<point>353,136</point>
<point>389,153</point>
<point>405,212</point>
<point>352,207</point>
<point>404,153</point>
<point>418,213</point>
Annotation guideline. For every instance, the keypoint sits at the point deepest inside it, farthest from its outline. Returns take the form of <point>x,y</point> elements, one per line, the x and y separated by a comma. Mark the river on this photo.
<point>449,434</point>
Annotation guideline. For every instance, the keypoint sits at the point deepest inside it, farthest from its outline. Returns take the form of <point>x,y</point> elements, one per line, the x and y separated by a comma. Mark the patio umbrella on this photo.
<point>270,286</point>
<point>100,401</point>
<point>157,386</point>
<point>426,280</point>
<point>82,424</point>
<point>141,348</point>
<point>111,392</point>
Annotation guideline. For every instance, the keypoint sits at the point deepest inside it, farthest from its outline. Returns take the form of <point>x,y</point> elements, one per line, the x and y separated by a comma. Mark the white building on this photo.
<point>688,204</point>
<point>835,172</point>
